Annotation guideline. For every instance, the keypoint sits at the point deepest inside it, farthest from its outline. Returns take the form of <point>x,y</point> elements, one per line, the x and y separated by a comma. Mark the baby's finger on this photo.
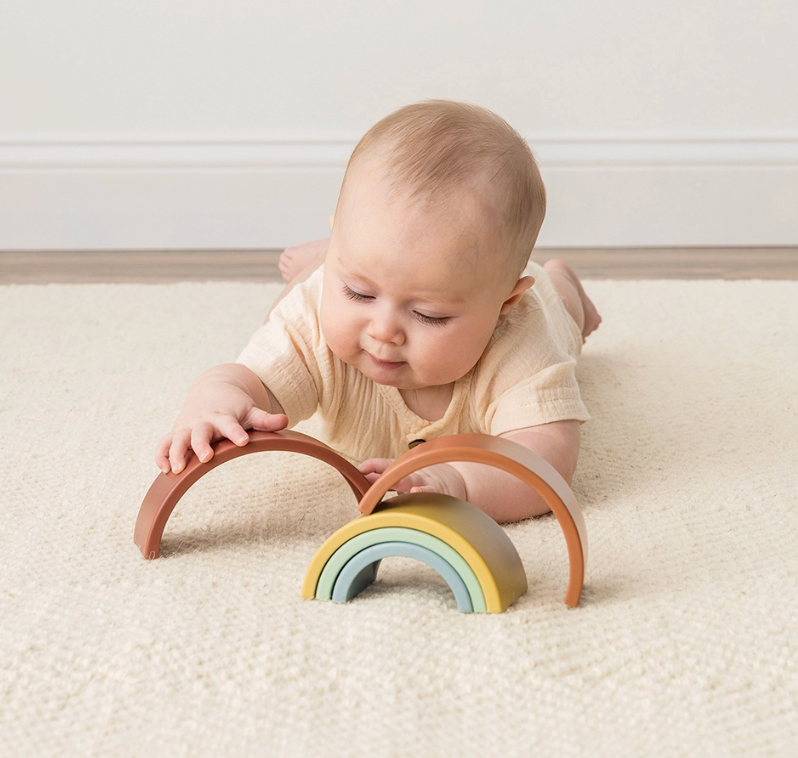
<point>266,422</point>
<point>374,466</point>
<point>177,451</point>
<point>425,488</point>
<point>228,427</point>
<point>407,484</point>
<point>162,454</point>
<point>201,442</point>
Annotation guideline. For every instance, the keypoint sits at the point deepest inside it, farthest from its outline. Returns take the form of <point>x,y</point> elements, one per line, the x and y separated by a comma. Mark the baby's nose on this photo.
<point>386,329</point>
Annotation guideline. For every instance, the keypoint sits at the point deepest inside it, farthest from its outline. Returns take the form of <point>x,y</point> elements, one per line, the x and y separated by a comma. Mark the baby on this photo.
<point>421,316</point>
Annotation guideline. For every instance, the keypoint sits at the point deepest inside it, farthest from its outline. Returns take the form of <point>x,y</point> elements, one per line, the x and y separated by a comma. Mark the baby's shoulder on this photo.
<point>305,295</point>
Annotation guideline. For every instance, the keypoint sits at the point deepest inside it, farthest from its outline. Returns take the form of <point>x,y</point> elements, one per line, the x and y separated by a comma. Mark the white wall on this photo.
<point>227,123</point>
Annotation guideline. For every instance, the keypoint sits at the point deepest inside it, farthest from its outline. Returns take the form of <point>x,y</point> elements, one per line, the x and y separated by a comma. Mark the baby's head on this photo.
<point>439,210</point>
<point>440,153</point>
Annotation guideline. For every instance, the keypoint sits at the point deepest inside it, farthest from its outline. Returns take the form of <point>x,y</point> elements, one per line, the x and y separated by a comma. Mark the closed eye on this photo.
<point>356,296</point>
<point>359,297</point>
<point>432,320</point>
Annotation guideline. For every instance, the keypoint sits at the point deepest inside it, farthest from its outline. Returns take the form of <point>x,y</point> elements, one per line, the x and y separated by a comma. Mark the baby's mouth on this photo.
<point>385,364</point>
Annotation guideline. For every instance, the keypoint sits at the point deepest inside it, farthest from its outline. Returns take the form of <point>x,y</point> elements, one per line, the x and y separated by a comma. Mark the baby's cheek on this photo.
<point>329,325</point>
<point>339,340</point>
<point>439,363</point>
<point>458,355</point>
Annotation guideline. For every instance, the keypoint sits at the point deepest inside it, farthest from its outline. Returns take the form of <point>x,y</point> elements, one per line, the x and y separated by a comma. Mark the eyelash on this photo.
<point>428,320</point>
<point>356,296</point>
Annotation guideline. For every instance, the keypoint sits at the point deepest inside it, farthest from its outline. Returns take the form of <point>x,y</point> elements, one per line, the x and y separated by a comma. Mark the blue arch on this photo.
<point>361,570</point>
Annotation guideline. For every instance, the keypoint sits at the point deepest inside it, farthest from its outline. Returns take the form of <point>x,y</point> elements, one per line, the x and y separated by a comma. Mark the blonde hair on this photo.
<point>437,149</point>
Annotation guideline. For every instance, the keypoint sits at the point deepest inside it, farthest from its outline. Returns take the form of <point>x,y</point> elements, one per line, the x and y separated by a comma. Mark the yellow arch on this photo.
<point>472,533</point>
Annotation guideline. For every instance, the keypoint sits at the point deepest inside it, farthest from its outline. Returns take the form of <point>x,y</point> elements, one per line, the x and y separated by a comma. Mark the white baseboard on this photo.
<point>604,191</point>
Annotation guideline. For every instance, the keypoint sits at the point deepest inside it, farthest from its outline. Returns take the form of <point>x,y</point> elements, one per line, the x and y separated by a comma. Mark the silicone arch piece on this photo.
<point>167,489</point>
<point>509,456</point>
<point>473,535</point>
<point>358,573</point>
<point>329,577</point>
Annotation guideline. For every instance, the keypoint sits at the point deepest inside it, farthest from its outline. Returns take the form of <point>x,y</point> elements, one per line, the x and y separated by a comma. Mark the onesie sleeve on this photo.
<point>545,397</point>
<point>288,353</point>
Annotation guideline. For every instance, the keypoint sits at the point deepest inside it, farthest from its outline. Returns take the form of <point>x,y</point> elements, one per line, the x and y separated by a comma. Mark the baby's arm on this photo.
<point>501,495</point>
<point>223,403</point>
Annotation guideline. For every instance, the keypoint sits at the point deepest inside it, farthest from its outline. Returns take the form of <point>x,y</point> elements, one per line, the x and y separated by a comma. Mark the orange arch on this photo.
<point>167,489</point>
<point>513,458</point>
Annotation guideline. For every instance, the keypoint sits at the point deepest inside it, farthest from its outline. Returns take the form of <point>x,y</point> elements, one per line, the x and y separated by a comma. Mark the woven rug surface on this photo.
<point>685,642</point>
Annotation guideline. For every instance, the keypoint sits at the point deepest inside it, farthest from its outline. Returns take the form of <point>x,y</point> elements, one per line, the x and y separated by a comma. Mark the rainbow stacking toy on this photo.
<point>463,544</point>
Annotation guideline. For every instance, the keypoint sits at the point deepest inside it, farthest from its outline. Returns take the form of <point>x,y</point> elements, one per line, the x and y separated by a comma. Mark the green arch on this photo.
<point>350,548</point>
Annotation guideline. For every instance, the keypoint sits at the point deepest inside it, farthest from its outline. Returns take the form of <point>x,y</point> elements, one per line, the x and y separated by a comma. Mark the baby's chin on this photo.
<point>392,378</point>
<point>403,378</point>
<point>399,377</point>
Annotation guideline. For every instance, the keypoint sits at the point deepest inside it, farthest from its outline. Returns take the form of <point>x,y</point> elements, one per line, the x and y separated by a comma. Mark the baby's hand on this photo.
<point>221,405</point>
<point>443,478</point>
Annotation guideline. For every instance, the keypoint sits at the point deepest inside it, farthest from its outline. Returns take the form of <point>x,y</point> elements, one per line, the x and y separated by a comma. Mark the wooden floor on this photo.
<point>261,265</point>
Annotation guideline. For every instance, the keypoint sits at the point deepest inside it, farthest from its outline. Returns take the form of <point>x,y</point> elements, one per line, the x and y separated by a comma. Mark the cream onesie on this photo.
<point>525,377</point>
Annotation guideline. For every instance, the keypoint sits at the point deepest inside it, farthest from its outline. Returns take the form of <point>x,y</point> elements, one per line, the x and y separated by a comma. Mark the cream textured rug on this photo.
<point>685,643</point>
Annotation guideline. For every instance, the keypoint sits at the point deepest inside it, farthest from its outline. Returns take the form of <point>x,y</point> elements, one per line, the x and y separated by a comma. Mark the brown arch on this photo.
<point>167,489</point>
<point>513,458</point>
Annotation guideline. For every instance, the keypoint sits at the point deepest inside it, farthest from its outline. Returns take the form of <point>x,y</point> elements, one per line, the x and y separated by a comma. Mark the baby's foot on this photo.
<point>573,295</point>
<point>294,260</point>
<point>592,317</point>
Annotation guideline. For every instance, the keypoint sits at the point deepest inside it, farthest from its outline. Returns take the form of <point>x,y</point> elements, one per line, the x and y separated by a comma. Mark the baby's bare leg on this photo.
<point>571,292</point>
<point>300,261</point>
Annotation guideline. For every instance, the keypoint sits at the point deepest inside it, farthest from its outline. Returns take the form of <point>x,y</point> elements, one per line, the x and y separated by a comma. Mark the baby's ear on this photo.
<point>521,286</point>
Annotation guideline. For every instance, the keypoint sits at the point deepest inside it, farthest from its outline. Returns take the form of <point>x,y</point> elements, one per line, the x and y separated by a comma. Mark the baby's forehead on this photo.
<point>471,205</point>
<point>462,225</point>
